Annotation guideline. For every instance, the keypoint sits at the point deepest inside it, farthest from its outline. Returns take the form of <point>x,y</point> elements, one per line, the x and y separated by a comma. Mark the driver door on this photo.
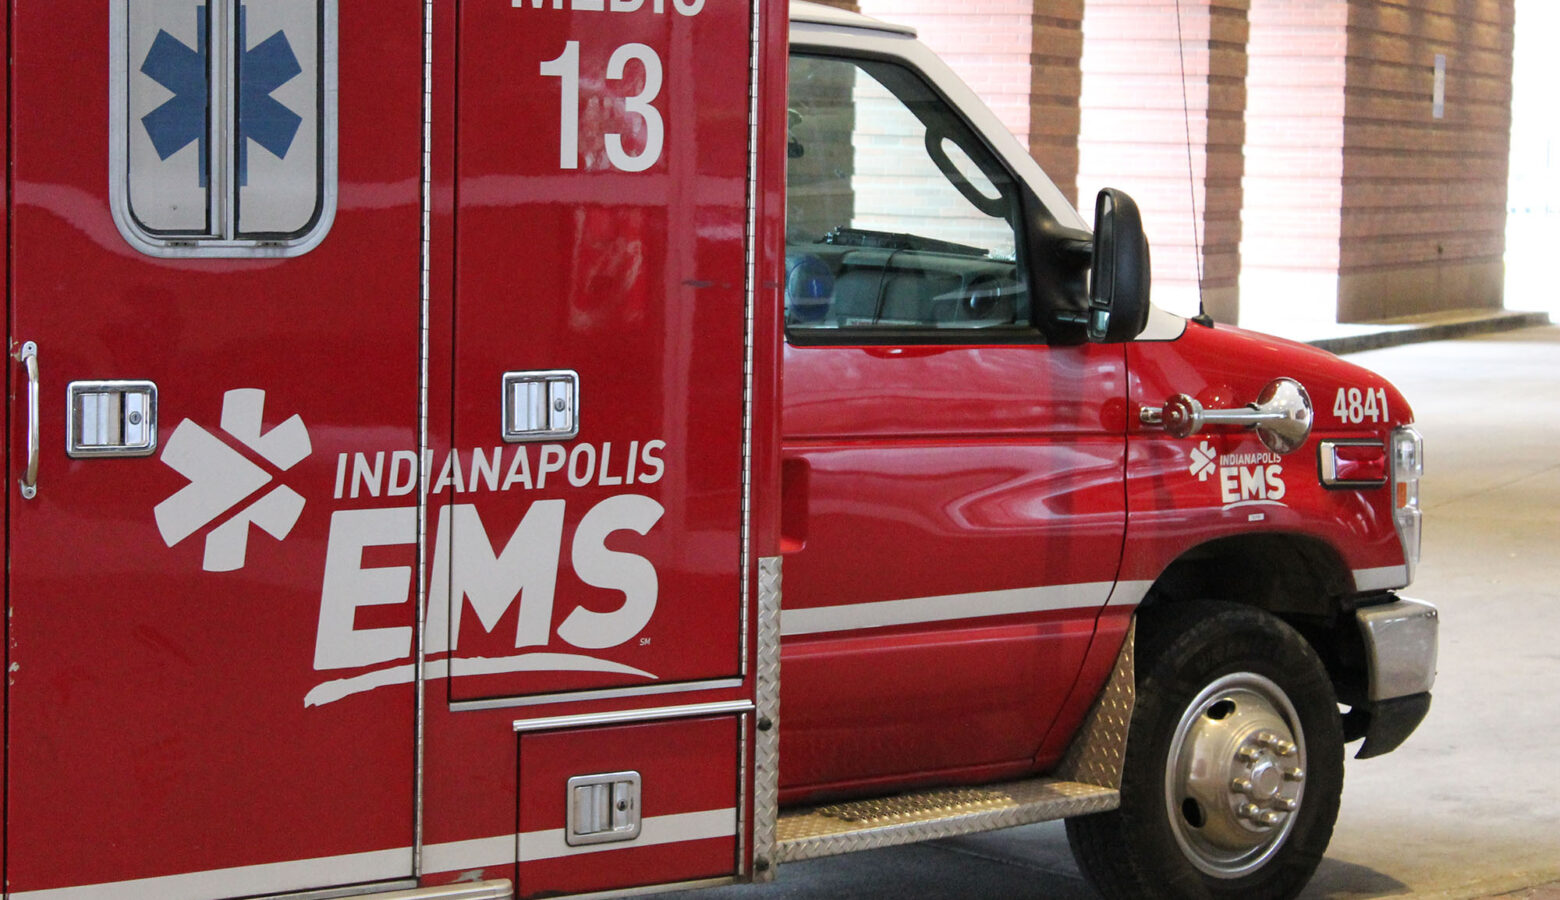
<point>953,504</point>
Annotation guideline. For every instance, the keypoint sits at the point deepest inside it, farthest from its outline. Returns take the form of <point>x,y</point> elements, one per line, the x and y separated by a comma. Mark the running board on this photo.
<point>811,832</point>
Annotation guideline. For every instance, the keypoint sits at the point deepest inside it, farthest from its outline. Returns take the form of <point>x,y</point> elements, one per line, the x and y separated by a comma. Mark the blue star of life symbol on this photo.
<point>181,120</point>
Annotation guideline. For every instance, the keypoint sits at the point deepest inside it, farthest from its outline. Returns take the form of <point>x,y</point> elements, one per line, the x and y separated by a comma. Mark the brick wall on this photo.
<point>1137,123</point>
<point>1424,199</point>
<point>1350,200</point>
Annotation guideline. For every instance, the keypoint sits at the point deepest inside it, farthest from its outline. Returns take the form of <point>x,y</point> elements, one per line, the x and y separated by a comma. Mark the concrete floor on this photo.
<point>1470,806</point>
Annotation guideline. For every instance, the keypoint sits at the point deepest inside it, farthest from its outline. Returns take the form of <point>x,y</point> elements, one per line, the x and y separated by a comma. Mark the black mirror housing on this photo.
<point>1119,274</point>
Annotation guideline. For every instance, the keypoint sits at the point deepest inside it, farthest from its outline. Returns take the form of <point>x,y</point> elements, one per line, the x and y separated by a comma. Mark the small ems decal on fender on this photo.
<point>1242,479</point>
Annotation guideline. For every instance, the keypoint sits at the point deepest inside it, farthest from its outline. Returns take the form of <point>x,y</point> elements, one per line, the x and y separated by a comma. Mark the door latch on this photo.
<point>541,406</point>
<point>603,808</point>
<point>111,418</point>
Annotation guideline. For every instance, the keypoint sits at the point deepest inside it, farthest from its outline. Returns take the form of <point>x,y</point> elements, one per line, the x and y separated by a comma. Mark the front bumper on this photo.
<point>1401,639</point>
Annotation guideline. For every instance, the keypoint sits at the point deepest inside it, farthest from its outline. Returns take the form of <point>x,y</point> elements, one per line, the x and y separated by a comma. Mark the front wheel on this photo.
<point>1234,762</point>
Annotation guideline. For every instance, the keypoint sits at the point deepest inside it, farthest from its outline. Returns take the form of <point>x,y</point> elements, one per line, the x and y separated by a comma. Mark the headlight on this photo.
<point>1408,464</point>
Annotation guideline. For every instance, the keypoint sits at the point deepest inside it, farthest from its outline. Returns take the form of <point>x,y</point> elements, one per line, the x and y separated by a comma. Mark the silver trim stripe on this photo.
<point>1381,579</point>
<point>500,850</point>
<point>672,829</point>
<point>504,849</point>
<point>1129,593</point>
<point>680,687</point>
<point>270,878</point>
<point>1017,601</point>
<point>725,707</point>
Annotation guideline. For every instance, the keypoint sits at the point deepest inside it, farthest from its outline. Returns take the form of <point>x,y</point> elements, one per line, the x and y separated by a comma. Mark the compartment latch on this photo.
<point>541,406</point>
<point>603,808</point>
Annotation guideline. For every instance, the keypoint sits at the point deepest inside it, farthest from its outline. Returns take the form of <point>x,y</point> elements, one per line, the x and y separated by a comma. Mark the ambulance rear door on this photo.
<point>214,281</point>
<point>593,571</point>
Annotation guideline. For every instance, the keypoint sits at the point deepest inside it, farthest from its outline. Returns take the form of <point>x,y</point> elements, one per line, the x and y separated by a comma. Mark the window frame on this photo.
<point>221,238</point>
<point>1027,332</point>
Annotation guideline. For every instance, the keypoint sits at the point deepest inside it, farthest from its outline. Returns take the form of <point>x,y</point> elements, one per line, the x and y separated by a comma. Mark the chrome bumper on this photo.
<point>1400,645</point>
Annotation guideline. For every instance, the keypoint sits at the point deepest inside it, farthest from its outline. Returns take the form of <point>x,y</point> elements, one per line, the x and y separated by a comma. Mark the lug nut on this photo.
<point>1269,818</point>
<point>1266,738</point>
<point>1287,804</point>
<point>1241,785</point>
<point>1248,811</point>
<point>1283,748</point>
<point>1295,774</point>
<point>1248,754</point>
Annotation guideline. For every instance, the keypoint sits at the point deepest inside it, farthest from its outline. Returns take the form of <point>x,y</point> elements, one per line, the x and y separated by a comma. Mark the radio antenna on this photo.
<point>1191,172</point>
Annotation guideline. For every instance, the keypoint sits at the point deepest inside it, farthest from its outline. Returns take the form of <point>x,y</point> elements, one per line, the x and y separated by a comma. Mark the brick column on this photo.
<point>1056,86</point>
<point>1134,135</point>
<point>1361,203</point>
<point>1424,198</point>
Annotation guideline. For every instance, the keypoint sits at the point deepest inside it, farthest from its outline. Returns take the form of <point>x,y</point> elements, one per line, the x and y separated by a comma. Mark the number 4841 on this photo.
<point>1354,406</point>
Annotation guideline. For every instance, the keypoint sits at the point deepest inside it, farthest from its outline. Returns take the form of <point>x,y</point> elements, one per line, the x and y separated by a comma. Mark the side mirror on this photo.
<point>1119,276</point>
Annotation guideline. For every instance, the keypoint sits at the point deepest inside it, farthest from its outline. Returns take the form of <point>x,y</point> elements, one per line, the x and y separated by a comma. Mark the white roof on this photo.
<point>818,14</point>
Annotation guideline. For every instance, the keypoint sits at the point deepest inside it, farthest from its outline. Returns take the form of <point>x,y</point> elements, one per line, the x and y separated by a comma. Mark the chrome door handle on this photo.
<point>29,358</point>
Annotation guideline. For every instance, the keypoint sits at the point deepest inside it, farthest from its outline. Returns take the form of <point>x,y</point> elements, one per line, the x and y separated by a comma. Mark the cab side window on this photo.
<point>900,224</point>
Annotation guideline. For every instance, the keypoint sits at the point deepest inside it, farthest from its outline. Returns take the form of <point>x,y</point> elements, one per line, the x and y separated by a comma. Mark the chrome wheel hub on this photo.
<point>1235,775</point>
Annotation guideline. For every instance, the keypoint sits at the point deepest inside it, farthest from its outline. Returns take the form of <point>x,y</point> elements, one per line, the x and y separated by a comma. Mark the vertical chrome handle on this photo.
<point>29,358</point>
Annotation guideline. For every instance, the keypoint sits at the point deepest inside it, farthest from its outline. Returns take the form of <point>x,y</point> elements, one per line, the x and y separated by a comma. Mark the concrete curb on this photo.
<point>1393,335</point>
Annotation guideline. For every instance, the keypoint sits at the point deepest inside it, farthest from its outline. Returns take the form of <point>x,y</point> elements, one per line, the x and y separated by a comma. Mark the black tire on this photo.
<point>1251,696</point>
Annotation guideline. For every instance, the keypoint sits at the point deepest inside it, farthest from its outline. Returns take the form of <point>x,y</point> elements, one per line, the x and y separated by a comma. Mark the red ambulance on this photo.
<point>817,404</point>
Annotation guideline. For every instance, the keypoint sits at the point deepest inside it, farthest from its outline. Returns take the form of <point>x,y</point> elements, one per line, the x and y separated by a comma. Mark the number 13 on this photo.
<point>567,69</point>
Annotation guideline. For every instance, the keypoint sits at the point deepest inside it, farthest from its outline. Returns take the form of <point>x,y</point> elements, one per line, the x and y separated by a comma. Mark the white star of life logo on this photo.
<point>1204,461</point>
<point>222,477</point>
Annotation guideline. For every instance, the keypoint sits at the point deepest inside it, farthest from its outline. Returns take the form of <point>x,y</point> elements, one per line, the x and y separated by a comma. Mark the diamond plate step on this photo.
<point>812,832</point>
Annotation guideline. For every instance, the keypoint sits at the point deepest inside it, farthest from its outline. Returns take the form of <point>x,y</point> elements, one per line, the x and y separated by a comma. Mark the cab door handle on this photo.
<point>795,486</point>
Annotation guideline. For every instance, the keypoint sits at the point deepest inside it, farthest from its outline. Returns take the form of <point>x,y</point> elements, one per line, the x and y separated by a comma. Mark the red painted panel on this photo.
<point>942,472</point>
<point>918,701</point>
<point>614,249</point>
<point>149,697</point>
<point>688,771</point>
<point>472,780</point>
<point>1185,492</point>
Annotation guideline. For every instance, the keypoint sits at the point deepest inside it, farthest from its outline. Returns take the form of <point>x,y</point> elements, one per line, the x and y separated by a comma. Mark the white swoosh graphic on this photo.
<point>406,673</point>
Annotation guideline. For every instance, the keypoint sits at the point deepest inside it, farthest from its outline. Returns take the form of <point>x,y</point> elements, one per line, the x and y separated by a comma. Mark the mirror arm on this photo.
<point>1281,416</point>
